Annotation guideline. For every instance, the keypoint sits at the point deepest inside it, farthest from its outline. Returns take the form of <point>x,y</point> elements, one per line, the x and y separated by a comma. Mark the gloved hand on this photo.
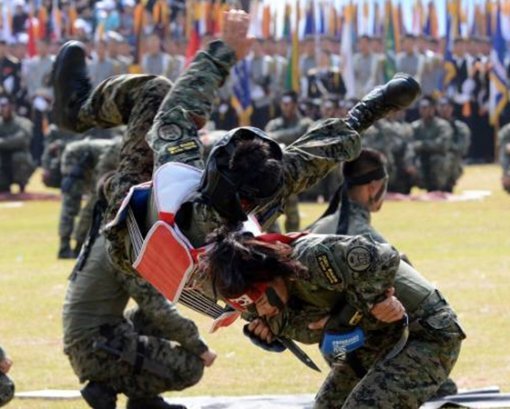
<point>336,344</point>
<point>274,346</point>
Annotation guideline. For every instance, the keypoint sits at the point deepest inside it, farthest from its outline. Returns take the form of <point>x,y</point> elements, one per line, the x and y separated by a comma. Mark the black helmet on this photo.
<point>223,187</point>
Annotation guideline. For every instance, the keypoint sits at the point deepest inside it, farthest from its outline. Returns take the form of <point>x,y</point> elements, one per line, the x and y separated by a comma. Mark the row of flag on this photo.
<point>391,31</point>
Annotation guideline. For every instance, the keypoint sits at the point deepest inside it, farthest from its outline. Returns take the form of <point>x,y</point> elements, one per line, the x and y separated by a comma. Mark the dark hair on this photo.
<point>368,161</point>
<point>259,172</point>
<point>236,260</point>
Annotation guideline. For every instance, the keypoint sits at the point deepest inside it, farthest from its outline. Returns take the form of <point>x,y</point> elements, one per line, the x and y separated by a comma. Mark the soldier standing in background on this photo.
<point>16,164</point>
<point>286,130</point>
<point>83,163</point>
<point>460,142</point>
<point>51,160</point>
<point>432,139</point>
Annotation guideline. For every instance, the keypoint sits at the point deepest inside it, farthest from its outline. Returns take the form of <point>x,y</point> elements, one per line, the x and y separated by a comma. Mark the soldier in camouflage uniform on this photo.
<point>6,384</point>
<point>460,142</point>
<point>55,143</point>
<point>285,130</point>
<point>16,164</point>
<point>399,135</point>
<point>134,354</point>
<point>504,156</point>
<point>83,163</point>
<point>353,296</point>
<point>432,138</point>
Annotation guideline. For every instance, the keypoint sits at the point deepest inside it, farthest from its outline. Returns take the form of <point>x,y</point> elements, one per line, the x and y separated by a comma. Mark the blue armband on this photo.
<point>275,346</point>
<point>335,345</point>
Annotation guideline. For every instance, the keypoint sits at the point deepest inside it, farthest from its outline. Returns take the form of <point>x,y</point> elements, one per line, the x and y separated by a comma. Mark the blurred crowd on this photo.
<point>425,146</point>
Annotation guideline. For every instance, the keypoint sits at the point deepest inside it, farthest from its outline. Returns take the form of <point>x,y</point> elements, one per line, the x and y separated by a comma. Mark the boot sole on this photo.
<point>58,70</point>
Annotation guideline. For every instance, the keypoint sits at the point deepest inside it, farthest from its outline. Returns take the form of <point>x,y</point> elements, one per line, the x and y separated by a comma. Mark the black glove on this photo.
<point>275,346</point>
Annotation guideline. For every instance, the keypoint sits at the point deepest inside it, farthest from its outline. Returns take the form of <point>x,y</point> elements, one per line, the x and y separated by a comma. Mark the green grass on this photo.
<point>462,247</point>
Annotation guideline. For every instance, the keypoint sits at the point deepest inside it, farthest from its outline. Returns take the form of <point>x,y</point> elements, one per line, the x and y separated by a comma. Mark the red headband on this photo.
<point>251,296</point>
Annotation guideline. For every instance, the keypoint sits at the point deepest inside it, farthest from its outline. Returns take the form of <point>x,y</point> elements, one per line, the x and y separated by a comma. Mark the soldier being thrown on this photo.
<point>246,171</point>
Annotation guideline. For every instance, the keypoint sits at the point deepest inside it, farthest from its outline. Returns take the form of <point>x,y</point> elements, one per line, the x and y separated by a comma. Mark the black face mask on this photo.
<point>222,188</point>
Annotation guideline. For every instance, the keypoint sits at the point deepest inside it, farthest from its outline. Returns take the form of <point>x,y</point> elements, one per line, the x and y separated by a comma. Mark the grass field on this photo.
<point>463,247</point>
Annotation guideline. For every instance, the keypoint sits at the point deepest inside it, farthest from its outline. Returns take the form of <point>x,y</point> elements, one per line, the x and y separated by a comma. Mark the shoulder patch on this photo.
<point>170,132</point>
<point>359,258</point>
<point>327,269</point>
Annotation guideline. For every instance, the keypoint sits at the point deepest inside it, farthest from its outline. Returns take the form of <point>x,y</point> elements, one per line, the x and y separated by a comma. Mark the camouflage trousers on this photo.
<point>131,100</point>
<point>405,381</point>
<point>149,366</point>
<point>292,214</point>
<point>70,208</point>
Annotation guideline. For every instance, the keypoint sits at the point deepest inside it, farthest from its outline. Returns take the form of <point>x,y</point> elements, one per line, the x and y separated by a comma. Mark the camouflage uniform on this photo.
<point>55,143</point>
<point>16,164</point>
<point>6,384</point>
<point>287,132</point>
<point>172,135</point>
<point>432,142</point>
<point>458,150</point>
<point>504,155</point>
<point>93,318</point>
<point>83,163</point>
<point>357,271</point>
<point>399,136</point>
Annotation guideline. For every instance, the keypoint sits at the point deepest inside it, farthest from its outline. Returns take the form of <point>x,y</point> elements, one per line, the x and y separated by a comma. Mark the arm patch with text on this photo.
<point>327,269</point>
<point>183,147</point>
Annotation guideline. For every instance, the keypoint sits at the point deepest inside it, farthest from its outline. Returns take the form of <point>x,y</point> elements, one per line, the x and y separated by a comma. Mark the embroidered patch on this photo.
<point>359,258</point>
<point>183,147</point>
<point>327,269</point>
<point>170,132</point>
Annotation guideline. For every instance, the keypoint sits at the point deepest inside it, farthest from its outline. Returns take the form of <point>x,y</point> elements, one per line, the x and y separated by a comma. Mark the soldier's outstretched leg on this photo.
<point>395,95</point>
<point>132,100</point>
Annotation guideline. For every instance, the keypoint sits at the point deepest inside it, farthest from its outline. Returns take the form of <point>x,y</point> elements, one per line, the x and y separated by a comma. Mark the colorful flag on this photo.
<point>498,78</point>
<point>194,39</point>
<point>391,40</point>
<point>310,19</point>
<point>266,21</point>
<point>488,18</point>
<point>32,35</point>
<point>241,98</point>
<point>347,50</point>
<point>42,18</point>
<point>431,25</point>
<point>292,80</point>
<point>450,69</point>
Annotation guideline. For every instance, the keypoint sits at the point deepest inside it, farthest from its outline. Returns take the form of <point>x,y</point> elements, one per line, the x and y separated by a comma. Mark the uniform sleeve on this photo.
<point>356,265</point>
<point>288,135</point>
<point>315,154</point>
<point>163,313</point>
<point>187,107</point>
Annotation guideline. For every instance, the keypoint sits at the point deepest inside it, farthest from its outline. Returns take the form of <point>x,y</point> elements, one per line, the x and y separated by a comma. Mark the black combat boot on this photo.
<point>397,94</point>
<point>71,85</point>
<point>65,251</point>
<point>156,402</point>
<point>99,395</point>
